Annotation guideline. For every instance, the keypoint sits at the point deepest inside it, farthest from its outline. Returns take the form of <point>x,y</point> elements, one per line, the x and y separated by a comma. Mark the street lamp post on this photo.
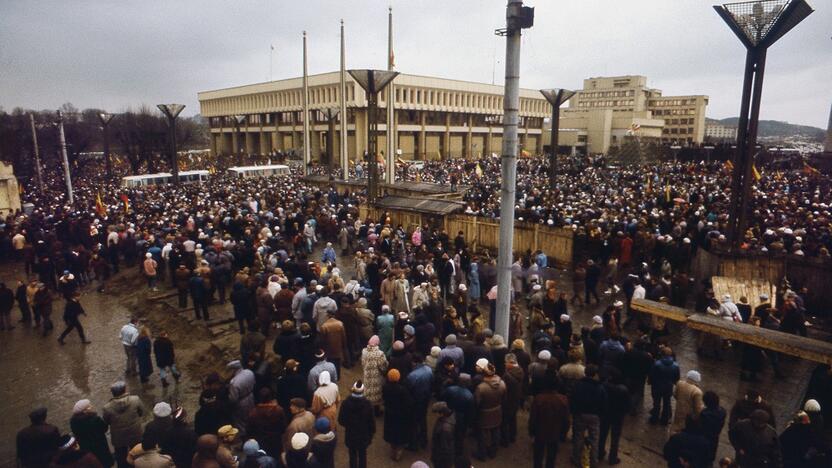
<point>172,111</point>
<point>105,119</point>
<point>62,141</point>
<point>36,151</point>
<point>373,82</point>
<point>556,98</point>
<point>758,24</point>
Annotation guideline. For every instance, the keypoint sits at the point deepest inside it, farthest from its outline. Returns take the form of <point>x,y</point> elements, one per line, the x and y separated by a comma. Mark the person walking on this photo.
<point>548,422</point>
<point>90,431</point>
<point>129,335</point>
<point>23,303</point>
<point>712,419</point>
<point>123,414</point>
<point>356,416</point>
<point>42,304</point>
<point>144,346</point>
<point>165,358</point>
<point>663,376</point>
<point>442,451</point>
<point>588,403</point>
<point>72,313</point>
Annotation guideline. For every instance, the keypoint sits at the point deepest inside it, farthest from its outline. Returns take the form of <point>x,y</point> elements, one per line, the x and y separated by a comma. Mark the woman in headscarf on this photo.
<point>398,413</point>
<point>91,432</point>
<point>474,291</point>
<point>385,323</point>
<point>325,400</point>
<point>374,363</point>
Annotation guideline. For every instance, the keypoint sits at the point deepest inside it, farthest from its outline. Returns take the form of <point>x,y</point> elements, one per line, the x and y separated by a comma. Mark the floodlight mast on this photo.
<point>518,18</point>
<point>105,119</point>
<point>758,24</point>
<point>172,111</point>
<point>556,98</point>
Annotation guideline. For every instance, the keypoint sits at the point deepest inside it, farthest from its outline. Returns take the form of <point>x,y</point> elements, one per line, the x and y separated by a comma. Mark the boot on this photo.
<point>165,383</point>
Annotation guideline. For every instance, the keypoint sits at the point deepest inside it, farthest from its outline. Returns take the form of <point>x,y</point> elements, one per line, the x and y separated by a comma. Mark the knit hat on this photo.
<point>463,288</point>
<point>83,405</point>
<point>618,304</point>
<point>544,355</point>
<point>450,339</point>
<point>251,447</point>
<point>147,255</point>
<point>398,345</point>
<point>419,464</point>
<point>518,344</point>
<point>811,406</point>
<point>537,287</point>
<point>564,317</point>
<point>393,375</point>
<point>357,387</point>
<point>693,376</point>
<point>764,297</point>
<point>482,363</point>
<point>161,410</point>
<point>292,364</point>
<point>597,319</point>
<point>373,341</point>
<point>227,432</point>
<point>435,350</point>
<point>320,354</point>
<point>322,425</point>
<point>409,330</point>
<point>235,364</point>
<point>299,441</point>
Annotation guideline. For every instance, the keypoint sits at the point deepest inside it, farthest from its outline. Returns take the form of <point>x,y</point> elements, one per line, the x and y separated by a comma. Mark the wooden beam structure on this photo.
<point>786,343</point>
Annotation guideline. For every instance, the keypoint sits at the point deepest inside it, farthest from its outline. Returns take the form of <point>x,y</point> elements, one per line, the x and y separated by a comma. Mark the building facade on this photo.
<point>608,109</point>
<point>9,190</point>
<point>435,118</point>
<point>720,133</point>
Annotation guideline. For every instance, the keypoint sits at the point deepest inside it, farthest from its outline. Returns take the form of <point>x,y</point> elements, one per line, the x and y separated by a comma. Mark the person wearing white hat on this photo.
<point>728,310</point>
<point>149,270</point>
<point>489,395</point>
<point>688,397</point>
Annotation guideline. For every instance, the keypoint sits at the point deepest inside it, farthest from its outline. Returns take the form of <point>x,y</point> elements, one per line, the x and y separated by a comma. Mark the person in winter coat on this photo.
<point>199,295</point>
<point>398,414</point>
<point>292,384</point>
<point>266,423</point>
<point>755,441</point>
<point>241,300</point>
<point>515,379</point>
<point>206,452</point>
<point>287,343</point>
<point>688,400</point>
<point>374,365</point>
<point>6,305</point>
<point>365,320</point>
<point>38,442</point>
<point>70,455</point>
<point>711,421</point>
<point>148,455</point>
<point>587,403</point>
<point>688,448</point>
<point>474,290</point>
<point>548,422</point>
<point>265,308</point>
<point>240,392</point>
<point>182,277</point>
<point>144,346</point>
<point>325,399</point>
<point>42,307</point>
<point>165,358</point>
<point>180,441</point>
<point>442,452</point>
<point>123,413</point>
<point>384,324</point>
<point>324,443</point>
<point>618,405</point>
<point>419,381</point>
<point>90,431</point>
<point>489,397</point>
<point>359,424</point>
<point>663,376</point>
<point>72,313</point>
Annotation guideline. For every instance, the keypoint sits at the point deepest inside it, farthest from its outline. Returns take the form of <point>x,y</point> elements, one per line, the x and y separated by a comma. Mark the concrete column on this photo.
<point>422,143</point>
<point>360,134</point>
<point>235,142</point>
<point>214,137</point>
<point>446,138</point>
<point>488,141</point>
<point>467,152</point>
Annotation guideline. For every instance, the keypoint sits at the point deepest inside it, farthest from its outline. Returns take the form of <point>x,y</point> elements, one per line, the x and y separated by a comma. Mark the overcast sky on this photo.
<point>117,54</point>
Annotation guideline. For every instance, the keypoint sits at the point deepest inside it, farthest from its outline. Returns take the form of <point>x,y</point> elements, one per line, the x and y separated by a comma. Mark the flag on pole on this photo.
<point>667,192</point>
<point>126,202</point>
<point>757,175</point>
<point>478,170</point>
<point>20,188</point>
<point>809,169</point>
<point>99,205</point>
<point>729,165</point>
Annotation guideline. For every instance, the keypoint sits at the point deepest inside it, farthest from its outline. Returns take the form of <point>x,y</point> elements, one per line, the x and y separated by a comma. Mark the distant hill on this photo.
<point>776,128</point>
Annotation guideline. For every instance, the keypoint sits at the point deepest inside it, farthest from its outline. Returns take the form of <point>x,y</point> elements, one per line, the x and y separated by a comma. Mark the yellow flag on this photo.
<point>667,192</point>
<point>757,175</point>
<point>478,170</point>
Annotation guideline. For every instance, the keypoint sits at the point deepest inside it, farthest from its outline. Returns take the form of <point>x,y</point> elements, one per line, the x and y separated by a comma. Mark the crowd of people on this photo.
<point>413,321</point>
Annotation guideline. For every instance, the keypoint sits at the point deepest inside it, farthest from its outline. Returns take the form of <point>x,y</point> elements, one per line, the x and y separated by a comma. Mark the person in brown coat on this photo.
<point>333,340</point>
<point>514,378</point>
<point>267,423</point>
<point>283,303</point>
<point>489,397</point>
<point>265,309</point>
<point>548,421</point>
<point>302,421</point>
<point>182,276</point>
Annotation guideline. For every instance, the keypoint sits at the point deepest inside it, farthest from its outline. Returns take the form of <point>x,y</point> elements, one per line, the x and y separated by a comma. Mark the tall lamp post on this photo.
<point>372,82</point>
<point>238,120</point>
<point>518,17</point>
<point>105,119</point>
<point>331,115</point>
<point>172,111</point>
<point>62,141</point>
<point>758,24</point>
<point>556,97</point>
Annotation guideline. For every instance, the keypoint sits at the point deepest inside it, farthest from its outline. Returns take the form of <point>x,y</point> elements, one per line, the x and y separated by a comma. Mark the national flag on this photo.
<point>99,205</point>
<point>757,175</point>
<point>20,188</point>
<point>729,165</point>
<point>809,169</point>
<point>478,170</point>
<point>649,184</point>
<point>212,170</point>
<point>667,192</point>
<point>524,153</point>
<point>392,59</point>
<point>126,202</point>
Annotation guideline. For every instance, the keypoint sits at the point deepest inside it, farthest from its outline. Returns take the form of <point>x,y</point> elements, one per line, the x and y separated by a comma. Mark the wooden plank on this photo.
<point>669,312</point>
<point>737,288</point>
<point>786,343</point>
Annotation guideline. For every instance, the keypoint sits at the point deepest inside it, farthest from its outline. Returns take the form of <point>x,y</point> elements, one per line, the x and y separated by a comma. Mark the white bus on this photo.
<point>185,177</point>
<point>259,171</point>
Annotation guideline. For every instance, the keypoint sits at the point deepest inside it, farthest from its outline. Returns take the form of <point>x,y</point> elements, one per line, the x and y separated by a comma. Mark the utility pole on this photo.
<point>38,172</point>
<point>345,162</point>
<point>391,112</point>
<point>518,18</point>
<point>62,140</point>
<point>307,151</point>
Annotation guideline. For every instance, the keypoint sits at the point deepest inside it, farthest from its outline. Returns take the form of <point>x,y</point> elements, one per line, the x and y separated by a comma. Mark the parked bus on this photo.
<point>185,177</point>
<point>260,171</point>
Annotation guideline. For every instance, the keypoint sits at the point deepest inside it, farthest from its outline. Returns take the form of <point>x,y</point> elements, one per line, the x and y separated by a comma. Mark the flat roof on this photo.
<point>252,168</point>
<point>420,205</point>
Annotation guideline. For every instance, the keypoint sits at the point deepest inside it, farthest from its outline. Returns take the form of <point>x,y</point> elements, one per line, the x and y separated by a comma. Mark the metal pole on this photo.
<point>553,141</point>
<point>751,142</point>
<point>372,139</point>
<point>330,141</point>
<point>62,141</point>
<point>511,105</point>
<point>107,163</point>
<point>307,151</point>
<point>739,157</point>
<point>38,169</point>
<point>174,159</point>
<point>345,162</point>
<point>390,173</point>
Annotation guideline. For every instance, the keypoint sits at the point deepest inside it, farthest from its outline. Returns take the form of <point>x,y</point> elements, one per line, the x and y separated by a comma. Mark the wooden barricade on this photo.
<point>667,311</point>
